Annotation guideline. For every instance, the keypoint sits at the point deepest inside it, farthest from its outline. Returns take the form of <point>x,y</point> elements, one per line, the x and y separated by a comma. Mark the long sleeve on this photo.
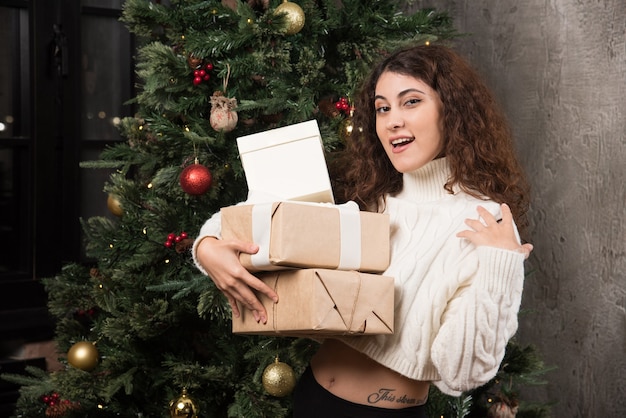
<point>479,321</point>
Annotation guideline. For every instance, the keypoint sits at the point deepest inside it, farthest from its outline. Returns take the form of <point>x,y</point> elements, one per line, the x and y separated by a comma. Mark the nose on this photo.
<point>394,121</point>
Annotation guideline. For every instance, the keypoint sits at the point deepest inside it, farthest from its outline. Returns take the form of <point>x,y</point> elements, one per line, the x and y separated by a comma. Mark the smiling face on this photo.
<point>409,123</point>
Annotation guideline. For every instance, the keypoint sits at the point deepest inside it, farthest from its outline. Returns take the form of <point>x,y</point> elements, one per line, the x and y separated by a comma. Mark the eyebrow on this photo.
<point>402,93</point>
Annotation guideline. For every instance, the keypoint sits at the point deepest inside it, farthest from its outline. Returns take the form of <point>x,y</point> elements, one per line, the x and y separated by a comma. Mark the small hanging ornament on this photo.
<point>113,203</point>
<point>194,62</point>
<point>83,355</point>
<point>223,118</point>
<point>183,406</point>
<point>294,16</point>
<point>279,379</point>
<point>195,179</point>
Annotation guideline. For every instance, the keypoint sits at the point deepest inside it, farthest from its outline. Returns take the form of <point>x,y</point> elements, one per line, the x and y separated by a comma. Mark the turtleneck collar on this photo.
<point>426,183</point>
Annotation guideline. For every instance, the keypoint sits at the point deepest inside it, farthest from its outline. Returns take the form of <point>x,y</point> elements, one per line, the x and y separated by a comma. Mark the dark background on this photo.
<point>66,73</point>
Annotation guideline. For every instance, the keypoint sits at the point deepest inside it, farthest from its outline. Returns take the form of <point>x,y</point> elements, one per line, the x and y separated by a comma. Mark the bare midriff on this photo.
<point>351,375</point>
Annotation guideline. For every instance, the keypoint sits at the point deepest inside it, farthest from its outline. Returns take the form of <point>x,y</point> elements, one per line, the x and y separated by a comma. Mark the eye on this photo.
<point>412,102</point>
<point>382,109</point>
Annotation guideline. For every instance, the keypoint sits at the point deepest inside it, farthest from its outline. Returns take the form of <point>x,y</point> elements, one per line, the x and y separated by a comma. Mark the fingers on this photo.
<point>487,230</point>
<point>259,316</point>
<point>475,224</point>
<point>220,258</point>
<point>239,289</point>
<point>527,249</point>
<point>243,246</point>
<point>233,306</point>
<point>507,216</point>
<point>486,216</point>
<point>485,219</point>
<point>489,219</point>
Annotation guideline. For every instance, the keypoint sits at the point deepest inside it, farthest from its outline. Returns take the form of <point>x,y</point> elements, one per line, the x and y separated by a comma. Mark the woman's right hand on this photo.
<point>220,259</point>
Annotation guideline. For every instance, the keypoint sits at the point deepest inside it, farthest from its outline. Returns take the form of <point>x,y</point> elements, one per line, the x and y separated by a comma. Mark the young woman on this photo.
<point>435,153</point>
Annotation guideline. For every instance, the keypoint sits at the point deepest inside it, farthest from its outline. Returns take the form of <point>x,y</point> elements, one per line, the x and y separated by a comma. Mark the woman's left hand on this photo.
<point>494,233</point>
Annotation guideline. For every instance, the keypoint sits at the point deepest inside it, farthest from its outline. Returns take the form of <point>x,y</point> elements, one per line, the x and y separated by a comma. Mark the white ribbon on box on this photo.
<point>350,226</point>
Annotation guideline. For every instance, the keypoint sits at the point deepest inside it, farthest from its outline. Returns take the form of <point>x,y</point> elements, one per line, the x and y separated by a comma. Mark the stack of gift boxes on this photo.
<point>323,260</point>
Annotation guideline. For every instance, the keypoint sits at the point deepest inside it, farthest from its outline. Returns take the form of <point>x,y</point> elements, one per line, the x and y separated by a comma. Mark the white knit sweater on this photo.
<point>456,304</point>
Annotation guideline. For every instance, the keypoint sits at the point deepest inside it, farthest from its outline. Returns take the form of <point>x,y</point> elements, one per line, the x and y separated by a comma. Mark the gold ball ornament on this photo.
<point>83,355</point>
<point>294,16</point>
<point>114,205</point>
<point>279,379</point>
<point>346,128</point>
<point>183,407</point>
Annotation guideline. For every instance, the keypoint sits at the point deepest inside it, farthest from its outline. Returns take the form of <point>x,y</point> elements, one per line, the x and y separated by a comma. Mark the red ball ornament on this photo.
<point>195,179</point>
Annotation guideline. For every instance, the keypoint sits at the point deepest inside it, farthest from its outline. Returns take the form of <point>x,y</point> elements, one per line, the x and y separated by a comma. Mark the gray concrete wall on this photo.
<point>559,69</point>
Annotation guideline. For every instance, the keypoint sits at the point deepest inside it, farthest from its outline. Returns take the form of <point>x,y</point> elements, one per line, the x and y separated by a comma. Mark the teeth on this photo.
<point>399,141</point>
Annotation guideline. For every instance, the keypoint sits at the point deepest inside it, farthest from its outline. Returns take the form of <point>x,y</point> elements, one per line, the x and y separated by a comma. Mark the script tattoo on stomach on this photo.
<point>388,395</point>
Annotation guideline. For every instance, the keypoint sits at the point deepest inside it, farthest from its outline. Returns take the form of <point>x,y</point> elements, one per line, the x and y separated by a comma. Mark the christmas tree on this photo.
<point>145,333</point>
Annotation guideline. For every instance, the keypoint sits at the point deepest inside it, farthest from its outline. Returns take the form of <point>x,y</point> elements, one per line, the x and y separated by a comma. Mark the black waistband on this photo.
<point>312,400</point>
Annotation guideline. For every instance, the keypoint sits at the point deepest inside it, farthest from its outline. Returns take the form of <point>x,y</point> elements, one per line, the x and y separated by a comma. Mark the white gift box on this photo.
<point>287,163</point>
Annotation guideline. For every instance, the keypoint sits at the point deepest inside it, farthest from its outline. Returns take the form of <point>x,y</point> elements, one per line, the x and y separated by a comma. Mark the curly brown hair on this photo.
<point>477,139</point>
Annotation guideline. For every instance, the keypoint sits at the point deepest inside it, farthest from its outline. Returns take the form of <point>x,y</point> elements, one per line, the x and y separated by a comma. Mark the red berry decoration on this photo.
<point>201,74</point>
<point>57,407</point>
<point>195,179</point>
<point>173,239</point>
<point>181,242</point>
<point>51,399</point>
<point>343,105</point>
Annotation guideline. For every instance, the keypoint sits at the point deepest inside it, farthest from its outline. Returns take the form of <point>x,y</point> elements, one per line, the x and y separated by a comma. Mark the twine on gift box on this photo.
<point>356,300</point>
<point>274,305</point>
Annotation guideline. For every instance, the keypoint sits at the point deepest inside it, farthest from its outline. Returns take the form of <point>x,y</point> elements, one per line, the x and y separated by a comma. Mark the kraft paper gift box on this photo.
<point>308,235</point>
<point>322,302</point>
<point>286,163</point>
